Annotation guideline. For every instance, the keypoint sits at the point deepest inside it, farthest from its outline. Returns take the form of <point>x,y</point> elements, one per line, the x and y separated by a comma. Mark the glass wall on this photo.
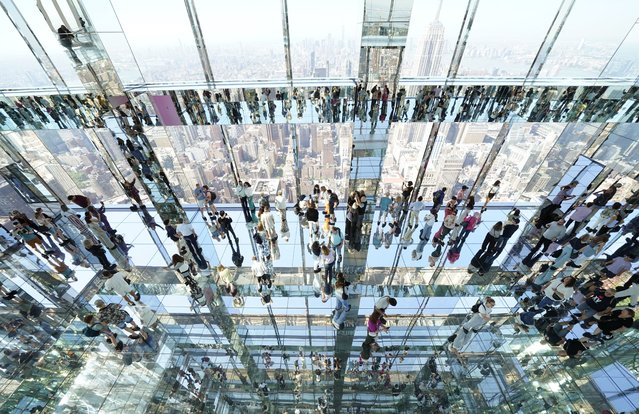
<point>579,51</point>
<point>165,48</point>
<point>24,70</point>
<point>501,42</point>
<point>325,38</point>
<point>251,50</point>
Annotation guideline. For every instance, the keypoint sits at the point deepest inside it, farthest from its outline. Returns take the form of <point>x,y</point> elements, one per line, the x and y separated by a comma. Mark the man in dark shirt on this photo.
<point>600,301</point>
<point>619,319</point>
<point>333,202</point>
<point>80,200</point>
<point>506,234</point>
<point>225,224</point>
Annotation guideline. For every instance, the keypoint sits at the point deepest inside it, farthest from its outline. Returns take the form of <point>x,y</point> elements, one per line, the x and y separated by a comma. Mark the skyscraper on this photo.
<point>430,58</point>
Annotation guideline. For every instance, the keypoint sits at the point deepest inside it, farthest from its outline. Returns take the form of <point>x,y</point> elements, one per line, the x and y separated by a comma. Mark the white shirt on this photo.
<point>258,268</point>
<point>477,320</point>
<point>268,221</point>
<point>382,303</point>
<point>632,291</point>
<point>117,284</point>
<point>186,229</point>
<point>555,231</point>
<point>280,202</point>
<point>416,206</point>
<point>564,291</point>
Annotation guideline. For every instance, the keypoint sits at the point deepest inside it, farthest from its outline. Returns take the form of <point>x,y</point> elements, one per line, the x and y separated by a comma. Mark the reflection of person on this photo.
<point>66,39</point>
<point>492,192</point>
<point>481,315</point>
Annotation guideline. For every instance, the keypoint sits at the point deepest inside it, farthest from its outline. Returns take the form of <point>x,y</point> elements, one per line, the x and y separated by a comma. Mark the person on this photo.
<point>336,241</point>
<point>510,228</point>
<point>66,39</point>
<point>383,303</point>
<point>375,324</point>
<point>312,216</point>
<point>79,200</point>
<point>268,222</point>
<point>490,241</point>
<point>384,207</point>
<point>280,204</point>
<point>601,301</point>
<point>113,314</point>
<point>29,237</point>
<point>333,202</point>
<point>200,199</point>
<point>578,216</point>
<point>415,207</point>
<point>468,225</point>
<point>602,197</point>
<point>564,193</point>
<point>117,282</point>
<point>209,201</point>
<point>438,201</point>
<point>554,232</point>
<point>618,321</point>
<point>557,290</point>
<point>424,236</point>
<point>327,261</point>
<point>225,223</point>
<point>461,194</point>
<point>407,190</point>
<point>481,315</point>
<point>617,266</point>
<point>99,328</point>
<point>492,192</point>
<point>341,304</point>
<point>131,191</point>
<point>186,231</point>
<point>245,192</point>
<point>98,251</point>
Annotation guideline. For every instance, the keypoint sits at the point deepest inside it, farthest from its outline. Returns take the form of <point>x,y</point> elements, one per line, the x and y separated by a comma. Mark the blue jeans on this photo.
<point>341,309</point>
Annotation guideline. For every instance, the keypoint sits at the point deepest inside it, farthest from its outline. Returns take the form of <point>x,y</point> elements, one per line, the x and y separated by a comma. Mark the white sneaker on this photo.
<point>335,325</point>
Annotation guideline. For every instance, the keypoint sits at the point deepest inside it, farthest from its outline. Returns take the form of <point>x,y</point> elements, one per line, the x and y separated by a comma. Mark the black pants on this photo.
<point>542,242</point>
<point>246,210</point>
<point>489,243</point>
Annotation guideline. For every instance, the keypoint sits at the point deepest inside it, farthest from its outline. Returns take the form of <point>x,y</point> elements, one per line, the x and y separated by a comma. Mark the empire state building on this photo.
<point>430,58</point>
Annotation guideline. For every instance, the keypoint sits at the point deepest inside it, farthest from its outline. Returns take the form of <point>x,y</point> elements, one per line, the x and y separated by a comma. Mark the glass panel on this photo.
<point>49,41</point>
<point>404,154</point>
<point>625,62</point>
<point>332,51</point>
<point>253,51</point>
<point>582,52</point>
<point>501,42</point>
<point>571,143</point>
<point>264,157</point>
<point>197,164</point>
<point>165,49</point>
<point>122,58</point>
<point>24,70</point>
<point>325,156</point>
<point>73,150</point>
<point>45,164</point>
<point>516,165</point>
<point>620,151</point>
<point>432,35</point>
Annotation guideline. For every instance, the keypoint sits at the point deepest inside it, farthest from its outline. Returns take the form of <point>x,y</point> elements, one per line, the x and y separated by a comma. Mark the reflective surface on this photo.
<point>354,96</point>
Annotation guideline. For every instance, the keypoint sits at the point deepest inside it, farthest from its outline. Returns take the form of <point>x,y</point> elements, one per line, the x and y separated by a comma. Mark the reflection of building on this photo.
<point>430,58</point>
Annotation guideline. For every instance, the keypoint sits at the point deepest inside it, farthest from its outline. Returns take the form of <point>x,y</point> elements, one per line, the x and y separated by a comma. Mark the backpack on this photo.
<point>237,259</point>
<point>89,332</point>
<point>475,307</point>
<point>213,196</point>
